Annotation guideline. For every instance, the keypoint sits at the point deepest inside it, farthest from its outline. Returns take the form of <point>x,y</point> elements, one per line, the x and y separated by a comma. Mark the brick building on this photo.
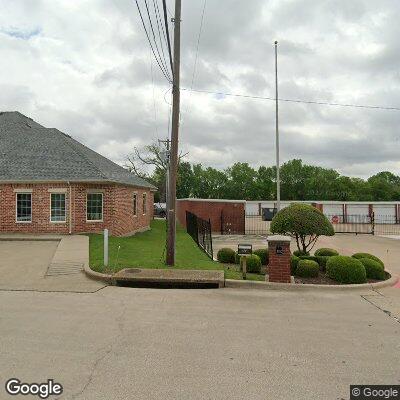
<point>50,183</point>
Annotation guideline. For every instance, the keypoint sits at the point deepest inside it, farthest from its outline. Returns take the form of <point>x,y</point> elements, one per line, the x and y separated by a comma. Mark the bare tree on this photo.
<point>152,155</point>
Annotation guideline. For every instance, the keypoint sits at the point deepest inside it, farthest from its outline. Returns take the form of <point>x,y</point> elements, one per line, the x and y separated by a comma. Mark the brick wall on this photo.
<point>117,209</point>
<point>209,209</point>
<point>279,264</point>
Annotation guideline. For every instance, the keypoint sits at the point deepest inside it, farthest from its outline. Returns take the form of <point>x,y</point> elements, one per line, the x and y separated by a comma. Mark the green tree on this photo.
<point>303,222</point>
<point>241,181</point>
<point>385,186</point>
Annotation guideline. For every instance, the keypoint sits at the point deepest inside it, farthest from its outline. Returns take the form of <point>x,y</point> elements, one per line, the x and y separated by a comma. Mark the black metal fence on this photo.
<point>374,224</point>
<point>352,223</point>
<point>200,230</point>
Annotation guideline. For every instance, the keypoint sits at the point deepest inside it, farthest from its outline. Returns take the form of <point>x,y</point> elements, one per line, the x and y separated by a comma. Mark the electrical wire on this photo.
<point>150,43</point>
<point>168,37</point>
<point>163,61</point>
<point>325,103</point>
<point>158,20</point>
<point>198,44</point>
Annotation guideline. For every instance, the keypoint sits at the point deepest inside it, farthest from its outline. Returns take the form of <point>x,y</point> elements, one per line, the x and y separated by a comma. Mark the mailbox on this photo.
<point>245,249</point>
<point>279,250</point>
<point>268,214</point>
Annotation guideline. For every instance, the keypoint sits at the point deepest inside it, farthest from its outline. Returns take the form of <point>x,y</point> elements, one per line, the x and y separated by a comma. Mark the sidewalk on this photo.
<point>45,263</point>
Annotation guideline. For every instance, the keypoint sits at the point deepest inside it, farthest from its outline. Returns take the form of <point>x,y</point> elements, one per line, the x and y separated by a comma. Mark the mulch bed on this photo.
<point>322,279</point>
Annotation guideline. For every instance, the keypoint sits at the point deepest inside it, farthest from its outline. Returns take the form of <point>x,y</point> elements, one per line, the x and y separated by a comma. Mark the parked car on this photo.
<point>160,210</point>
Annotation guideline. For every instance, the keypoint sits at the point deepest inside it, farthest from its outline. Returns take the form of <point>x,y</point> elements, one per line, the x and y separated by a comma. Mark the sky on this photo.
<point>85,67</point>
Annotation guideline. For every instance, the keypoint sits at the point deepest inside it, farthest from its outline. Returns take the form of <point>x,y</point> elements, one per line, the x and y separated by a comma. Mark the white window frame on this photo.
<point>135,206</point>
<point>144,203</point>
<point>65,207</point>
<point>102,207</point>
<point>16,206</point>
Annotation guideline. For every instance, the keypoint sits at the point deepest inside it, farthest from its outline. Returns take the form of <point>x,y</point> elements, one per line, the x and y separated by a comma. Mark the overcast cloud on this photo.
<point>84,67</point>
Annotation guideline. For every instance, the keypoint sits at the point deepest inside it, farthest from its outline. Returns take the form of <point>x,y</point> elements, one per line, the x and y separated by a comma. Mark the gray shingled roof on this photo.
<point>31,152</point>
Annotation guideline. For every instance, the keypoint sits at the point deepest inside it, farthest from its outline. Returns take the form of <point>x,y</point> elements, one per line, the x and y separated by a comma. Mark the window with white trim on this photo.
<point>134,204</point>
<point>24,207</point>
<point>144,207</point>
<point>57,207</point>
<point>94,206</point>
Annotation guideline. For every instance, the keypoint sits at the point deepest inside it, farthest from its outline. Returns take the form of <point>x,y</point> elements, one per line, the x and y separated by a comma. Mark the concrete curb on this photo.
<point>98,276</point>
<point>112,279</point>
<point>233,283</point>
<point>236,283</point>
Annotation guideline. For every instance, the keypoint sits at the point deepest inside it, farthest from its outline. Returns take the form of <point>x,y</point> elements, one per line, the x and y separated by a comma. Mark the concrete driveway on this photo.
<point>123,343</point>
<point>44,264</point>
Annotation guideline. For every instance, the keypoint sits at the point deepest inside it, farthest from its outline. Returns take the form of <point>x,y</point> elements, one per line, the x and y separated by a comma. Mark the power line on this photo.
<point>151,45</point>
<point>159,23</point>
<point>198,43</point>
<point>163,62</point>
<point>168,38</point>
<point>292,100</point>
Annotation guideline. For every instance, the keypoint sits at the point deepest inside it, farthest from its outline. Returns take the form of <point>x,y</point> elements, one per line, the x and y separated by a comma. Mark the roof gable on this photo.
<point>31,152</point>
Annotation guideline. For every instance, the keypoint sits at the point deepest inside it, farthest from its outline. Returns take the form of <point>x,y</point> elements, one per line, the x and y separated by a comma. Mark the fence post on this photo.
<point>373,223</point>
<point>211,245</point>
<point>105,249</point>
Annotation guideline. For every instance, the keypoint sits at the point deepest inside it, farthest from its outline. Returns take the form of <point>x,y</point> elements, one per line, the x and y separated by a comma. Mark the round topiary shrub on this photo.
<point>370,256</point>
<point>304,223</point>
<point>373,269</point>
<point>312,258</point>
<point>294,260</point>
<point>307,269</point>
<point>345,269</point>
<point>263,254</point>
<point>324,251</point>
<point>226,255</point>
<point>253,264</point>
<point>322,260</point>
<point>299,253</point>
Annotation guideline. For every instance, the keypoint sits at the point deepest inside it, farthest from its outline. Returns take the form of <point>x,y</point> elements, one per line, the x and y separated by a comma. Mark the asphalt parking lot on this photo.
<point>125,343</point>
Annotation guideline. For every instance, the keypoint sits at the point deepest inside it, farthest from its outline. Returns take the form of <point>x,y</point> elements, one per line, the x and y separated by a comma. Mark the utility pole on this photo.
<point>278,179</point>
<point>166,158</point>
<point>173,166</point>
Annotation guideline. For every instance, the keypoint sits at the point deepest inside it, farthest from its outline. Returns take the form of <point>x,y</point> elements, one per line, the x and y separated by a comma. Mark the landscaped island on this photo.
<point>147,250</point>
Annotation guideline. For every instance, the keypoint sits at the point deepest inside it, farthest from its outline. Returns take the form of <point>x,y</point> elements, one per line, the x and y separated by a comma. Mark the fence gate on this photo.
<point>200,230</point>
<point>353,223</point>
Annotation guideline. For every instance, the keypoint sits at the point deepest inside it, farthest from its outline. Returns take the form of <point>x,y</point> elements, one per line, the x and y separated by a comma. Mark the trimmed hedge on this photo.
<point>294,261</point>
<point>373,269</point>
<point>322,260</point>
<point>370,256</point>
<point>312,258</point>
<point>263,254</point>
<point>345,269</point>
<point>253,264</point>
<point>307,269</point>
<point>226,255</point>
<point>299,253</point>
<point>324,251</point>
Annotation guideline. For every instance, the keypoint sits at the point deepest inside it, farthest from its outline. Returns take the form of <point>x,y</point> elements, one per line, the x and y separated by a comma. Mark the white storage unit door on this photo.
<point>385,213</point>
<point>251,208</point>
<point>332,209</point>
<point>358,213</point>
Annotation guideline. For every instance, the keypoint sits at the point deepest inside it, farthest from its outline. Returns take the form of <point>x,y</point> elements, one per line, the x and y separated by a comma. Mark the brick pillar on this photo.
<point>279,259</point>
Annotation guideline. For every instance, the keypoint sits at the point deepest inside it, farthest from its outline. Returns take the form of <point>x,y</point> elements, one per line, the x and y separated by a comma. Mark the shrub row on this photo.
<point>253,262</point>
<point>307,268</point>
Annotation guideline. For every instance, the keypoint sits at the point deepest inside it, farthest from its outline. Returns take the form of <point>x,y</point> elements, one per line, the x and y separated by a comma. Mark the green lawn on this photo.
<point>147,250</point>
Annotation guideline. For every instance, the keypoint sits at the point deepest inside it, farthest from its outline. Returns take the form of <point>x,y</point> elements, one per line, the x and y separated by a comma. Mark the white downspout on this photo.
<point>70,208</point>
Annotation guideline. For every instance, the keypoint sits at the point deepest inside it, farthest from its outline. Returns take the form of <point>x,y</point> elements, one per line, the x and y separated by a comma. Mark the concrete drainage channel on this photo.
<point>162,278</point>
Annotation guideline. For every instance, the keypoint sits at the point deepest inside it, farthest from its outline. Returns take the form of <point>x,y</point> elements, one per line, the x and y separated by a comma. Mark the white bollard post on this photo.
<point>106,247</point>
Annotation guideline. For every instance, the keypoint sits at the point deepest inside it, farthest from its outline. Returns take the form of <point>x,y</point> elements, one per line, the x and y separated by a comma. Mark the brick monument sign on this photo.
<point>279,259</point>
